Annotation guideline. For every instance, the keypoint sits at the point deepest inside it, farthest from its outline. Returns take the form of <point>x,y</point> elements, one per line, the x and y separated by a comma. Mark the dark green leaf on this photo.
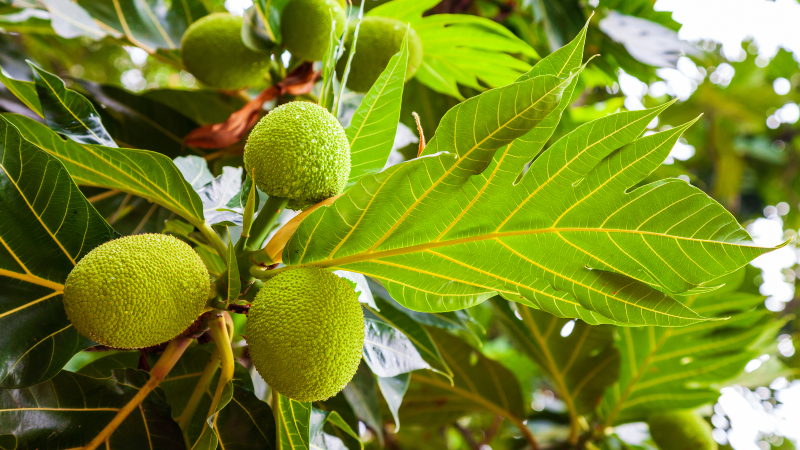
<point>71,409</point>
<point>46,226</point>
<point>136,121</point>
<point>146,174</point>
<point>69,112</point>
<point>202,106</point>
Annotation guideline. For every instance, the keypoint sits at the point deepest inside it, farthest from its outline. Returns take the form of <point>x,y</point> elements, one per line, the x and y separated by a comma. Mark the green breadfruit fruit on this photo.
<point>136,291</point>
<point>306,27</point>
<point>305,331</point>
<point>679,430</point>
<point>298,151</point>
<point>379,38</point>
<point>213,51</point>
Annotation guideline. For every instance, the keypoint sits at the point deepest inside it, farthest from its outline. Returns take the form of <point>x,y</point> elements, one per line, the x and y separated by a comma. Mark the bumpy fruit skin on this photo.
<point>298,151</point>
<point>136,291</point>
<point>379,38</point>
<point>306,27</point>
<point>213,51</point>
<point>680,430</point>
<point>305,331</point>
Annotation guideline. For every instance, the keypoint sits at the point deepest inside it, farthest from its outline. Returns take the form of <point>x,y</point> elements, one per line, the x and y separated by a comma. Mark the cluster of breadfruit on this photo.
<point>213,51</point>
<point>305,329</point>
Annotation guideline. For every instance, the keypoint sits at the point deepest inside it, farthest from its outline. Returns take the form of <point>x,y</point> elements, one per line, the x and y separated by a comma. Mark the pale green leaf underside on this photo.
<point>572,237</point>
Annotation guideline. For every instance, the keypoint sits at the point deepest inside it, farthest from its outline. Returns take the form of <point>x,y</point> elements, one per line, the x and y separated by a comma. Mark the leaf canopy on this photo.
<point>572,236</point>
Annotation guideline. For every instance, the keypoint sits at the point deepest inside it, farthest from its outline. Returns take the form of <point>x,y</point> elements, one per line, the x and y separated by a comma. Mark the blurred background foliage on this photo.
<point>744,152</point>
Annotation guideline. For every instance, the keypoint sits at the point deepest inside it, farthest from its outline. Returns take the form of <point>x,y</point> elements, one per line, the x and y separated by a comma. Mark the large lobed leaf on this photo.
<point>682,368</point>
<point>460,49</point>
<point>71,409</point>
<point>579,364</point>
<point>46,226</point>
<point>147,174</point>
<point>479,385</point>
<point>571,237</point>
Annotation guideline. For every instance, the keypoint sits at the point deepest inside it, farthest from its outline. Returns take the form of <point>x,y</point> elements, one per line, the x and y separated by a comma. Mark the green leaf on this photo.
<point>136,121</point>
<point>362,395</point>
<point>480,385</point>
<point>25,91</point>
<point>146,23</point>
<point>393,389</point>
<point>234,283</point>
<point>294,419</point>
<point>209,436</point>
<point>372,130</point>
<point>46,226</point>
<point>67,111</point>
<point>71,409</point>
<point>413,332</point>
<point>69,20</point>
<point>146,174</point>
<point>460,49</point>
<point>246,423</point>
<point>579,366</point>
<point>682,368</point>
<point>443,233</point>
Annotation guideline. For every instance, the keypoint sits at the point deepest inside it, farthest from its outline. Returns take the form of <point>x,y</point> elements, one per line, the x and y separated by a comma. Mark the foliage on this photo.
<point>530,244</point>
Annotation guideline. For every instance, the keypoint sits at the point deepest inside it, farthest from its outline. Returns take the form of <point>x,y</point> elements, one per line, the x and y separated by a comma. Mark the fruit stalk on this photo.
<point>199,391</point>
<point>263,222</point>
<point>215,240</point>
<point>165,363</point>
<point>219,332</point>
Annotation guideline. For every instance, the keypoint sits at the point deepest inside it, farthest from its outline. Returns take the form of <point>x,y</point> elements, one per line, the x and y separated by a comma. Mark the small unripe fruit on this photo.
<point>305,332</point>
<point>136,291</point>
<point>213,51</point>
<point>379,38</point>
<point>679,430</point>
<point>306,27</point>
<point>298,151</point>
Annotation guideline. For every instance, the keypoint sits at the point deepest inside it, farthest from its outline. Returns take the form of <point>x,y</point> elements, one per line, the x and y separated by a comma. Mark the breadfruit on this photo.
<point>298,151</point>
<point>136,291</point>
<point>213,51</point>
<point>679,430</point>
<point>379,38</point>
<point>306,27</point>
<point>305,332</point>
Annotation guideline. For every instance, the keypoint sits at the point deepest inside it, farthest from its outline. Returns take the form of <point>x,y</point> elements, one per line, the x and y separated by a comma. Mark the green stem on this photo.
<point>263,222</point>
<point>219,332</point>
<point>165,363</point>
<point>215,240</point>
<point>200,390</point>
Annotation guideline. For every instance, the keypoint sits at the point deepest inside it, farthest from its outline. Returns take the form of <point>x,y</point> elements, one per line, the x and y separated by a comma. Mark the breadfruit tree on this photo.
<point>357,217</point>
